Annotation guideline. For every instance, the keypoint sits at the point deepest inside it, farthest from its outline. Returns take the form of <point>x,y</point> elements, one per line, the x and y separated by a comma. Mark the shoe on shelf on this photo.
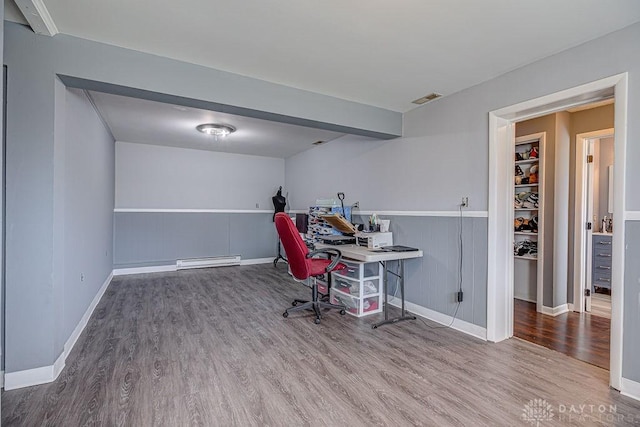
<point>531,201</point>
<point>533,153</point>
<point>525,248</point>
<point>521,224</point>
<point>533,224</point>
<point>520,198</point>
<point>518,171</point>
<point>517,201</point>
<point>521,248</point>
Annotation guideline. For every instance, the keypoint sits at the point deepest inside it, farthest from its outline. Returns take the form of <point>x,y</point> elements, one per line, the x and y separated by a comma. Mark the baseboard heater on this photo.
<point>219,261</point>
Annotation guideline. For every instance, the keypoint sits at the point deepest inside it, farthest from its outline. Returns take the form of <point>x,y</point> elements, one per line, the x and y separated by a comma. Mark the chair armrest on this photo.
<point>335,252</point>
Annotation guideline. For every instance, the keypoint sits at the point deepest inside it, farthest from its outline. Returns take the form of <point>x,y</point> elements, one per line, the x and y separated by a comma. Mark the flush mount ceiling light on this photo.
<point>216,130</point>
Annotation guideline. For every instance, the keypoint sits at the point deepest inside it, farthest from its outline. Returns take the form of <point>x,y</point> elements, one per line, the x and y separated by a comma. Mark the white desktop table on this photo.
<point>361,253</point>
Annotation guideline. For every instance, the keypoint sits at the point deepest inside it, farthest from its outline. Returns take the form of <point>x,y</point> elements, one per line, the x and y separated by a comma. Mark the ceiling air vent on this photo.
<point>427,98</point>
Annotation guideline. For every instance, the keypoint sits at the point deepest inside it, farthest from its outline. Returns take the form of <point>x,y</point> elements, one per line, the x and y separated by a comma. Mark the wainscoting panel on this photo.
<point>631,313</point>
<point>432,281</point>
<point>160,238</point>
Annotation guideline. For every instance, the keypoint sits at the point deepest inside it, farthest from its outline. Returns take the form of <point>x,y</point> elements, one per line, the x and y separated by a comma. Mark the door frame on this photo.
<point>500,303</point>
<point>581,256</point>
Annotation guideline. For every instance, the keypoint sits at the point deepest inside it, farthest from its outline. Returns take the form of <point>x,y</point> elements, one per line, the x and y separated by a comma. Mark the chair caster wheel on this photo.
<point>285,314</point>
<point>294,303</point>
<point>342,312</point>
<point>317,320</point>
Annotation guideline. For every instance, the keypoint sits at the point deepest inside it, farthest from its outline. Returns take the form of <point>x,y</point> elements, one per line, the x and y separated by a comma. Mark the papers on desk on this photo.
<point>338,222</point>
<point>396,248</point>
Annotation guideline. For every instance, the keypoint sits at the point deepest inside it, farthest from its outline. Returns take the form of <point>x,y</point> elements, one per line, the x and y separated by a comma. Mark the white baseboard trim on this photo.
<point>1,379</point>
<point>444,319</point>
<point>570,306</point>
<point>169,268</point>
<point>555,311</point>
<point>30,377</point>
<point>256,261</point>
<point>87,315</point>
<point>47,374</point>
<point>630,388</point>
<point>141,270</point>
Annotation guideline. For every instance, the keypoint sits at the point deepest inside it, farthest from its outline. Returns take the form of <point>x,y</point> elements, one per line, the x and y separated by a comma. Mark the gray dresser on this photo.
<point>601,261</point>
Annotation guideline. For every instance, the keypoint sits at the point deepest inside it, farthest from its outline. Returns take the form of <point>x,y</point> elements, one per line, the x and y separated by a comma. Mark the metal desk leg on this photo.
<point>403,313</point>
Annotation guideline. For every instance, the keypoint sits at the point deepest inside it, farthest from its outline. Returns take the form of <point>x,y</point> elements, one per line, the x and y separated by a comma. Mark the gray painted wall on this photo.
<point>432,281</point>
<point>155,177</point>
<point>631,349</point>
<point>83,183</point>
<point>444,152</point>
<point>32,289</point>
<point>29,312</point>
<point>160,238</point>
<point>88,207</point>
<point>149,176</point>
<point>604,159</point>
<point>116,69</point>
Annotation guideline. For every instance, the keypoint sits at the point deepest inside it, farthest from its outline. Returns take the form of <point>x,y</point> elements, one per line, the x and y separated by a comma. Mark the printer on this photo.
<point>374,240</point>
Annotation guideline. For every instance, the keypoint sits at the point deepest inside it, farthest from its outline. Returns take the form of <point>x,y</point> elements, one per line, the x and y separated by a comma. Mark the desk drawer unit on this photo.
<point>358,287</point>
<point>601,262</point>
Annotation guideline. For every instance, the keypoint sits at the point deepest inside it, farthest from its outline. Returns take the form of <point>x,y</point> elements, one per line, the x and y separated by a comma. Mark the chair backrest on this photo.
<point>293,245</point>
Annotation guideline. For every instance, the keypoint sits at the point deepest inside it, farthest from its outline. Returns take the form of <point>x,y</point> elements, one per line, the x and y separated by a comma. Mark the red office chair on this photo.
<point>303,266</point>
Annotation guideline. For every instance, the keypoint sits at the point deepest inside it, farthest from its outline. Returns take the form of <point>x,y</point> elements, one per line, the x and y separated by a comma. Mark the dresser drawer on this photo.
<point>602,243</point>
<point>599,254</point>
<point>598,261</point>
<point>601,269</point>
<point>601,282</point>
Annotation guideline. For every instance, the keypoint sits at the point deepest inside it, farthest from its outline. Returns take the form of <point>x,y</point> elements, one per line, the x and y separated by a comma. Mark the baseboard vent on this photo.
<point>221,261</point>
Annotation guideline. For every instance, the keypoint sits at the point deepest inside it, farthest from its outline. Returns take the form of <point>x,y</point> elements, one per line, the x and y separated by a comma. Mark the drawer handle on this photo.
<point>604,243</point>
<point>604,267</point>
<point>605,255</point>
<point>602,279</point>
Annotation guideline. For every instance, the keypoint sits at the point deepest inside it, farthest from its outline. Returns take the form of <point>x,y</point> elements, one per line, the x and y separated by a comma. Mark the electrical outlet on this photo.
<point>459,296</point>
<point>465,202</point>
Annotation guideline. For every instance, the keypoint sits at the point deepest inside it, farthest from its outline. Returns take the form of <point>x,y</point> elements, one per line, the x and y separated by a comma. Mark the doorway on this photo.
<point>593,229</point>
<point>500,301</point>
<point>556,195</point>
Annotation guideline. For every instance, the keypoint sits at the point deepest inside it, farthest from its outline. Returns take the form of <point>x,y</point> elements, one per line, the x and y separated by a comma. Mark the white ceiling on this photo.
<point>379,52</point>
<point>150,122</point>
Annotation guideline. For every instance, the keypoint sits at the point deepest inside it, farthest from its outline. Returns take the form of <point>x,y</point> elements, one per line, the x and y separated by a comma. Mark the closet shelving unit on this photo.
<point>524,144</point>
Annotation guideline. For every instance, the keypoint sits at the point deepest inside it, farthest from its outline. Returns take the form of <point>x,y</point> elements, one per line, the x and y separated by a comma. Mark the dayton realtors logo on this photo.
<point>536,411</point>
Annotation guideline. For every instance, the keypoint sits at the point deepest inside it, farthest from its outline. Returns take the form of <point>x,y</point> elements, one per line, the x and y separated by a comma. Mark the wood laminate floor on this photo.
<point>601,305</point>
<point>583,336</point>
<point>210,347</point>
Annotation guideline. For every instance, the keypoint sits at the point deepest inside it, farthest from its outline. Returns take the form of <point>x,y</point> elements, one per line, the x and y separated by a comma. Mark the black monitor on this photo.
<point>302,222</point>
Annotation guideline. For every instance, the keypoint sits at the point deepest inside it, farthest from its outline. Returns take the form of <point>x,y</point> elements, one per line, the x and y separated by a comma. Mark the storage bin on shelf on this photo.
<point>358,287</point>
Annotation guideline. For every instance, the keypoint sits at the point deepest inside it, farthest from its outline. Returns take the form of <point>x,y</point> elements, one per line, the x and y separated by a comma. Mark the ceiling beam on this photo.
<point>38,17</point>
